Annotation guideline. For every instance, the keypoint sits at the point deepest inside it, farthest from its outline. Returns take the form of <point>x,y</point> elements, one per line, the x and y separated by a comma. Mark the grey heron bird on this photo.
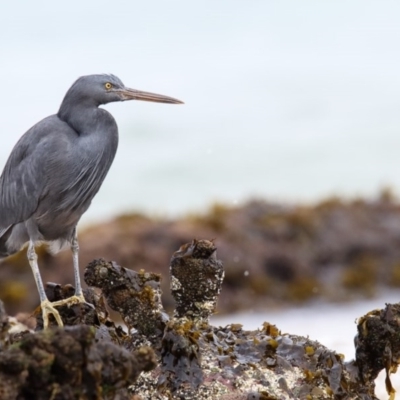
<point>55,170</point>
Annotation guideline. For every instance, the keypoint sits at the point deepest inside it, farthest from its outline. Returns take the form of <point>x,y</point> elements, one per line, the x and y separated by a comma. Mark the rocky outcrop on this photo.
<point>180,355</point>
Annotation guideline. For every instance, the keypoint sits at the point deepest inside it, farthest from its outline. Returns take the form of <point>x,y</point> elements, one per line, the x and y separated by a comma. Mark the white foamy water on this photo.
<point>333,325</point>
<point>285,99</point>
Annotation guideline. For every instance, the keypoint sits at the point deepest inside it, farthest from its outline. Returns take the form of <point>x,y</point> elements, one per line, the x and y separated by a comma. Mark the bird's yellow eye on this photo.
<point>108,86</point>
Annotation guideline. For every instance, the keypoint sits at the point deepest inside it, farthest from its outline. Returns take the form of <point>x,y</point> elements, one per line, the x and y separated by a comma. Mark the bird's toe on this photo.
<point>47,309</point>
<point>71,301</point>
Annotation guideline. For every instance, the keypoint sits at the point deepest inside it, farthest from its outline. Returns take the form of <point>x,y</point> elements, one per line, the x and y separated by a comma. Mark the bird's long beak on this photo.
<point>133,94</point>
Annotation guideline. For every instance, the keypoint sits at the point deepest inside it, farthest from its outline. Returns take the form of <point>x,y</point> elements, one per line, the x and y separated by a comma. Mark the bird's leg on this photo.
<point>78,297</point>
<point>75,260</point>
<point>46,306</point>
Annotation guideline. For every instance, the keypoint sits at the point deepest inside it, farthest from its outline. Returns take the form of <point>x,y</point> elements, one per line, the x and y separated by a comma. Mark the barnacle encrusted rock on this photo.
<point>191,359</point>
<point>378,344</point>
<point>196,279</point>
<point>135,295</point>
<point>199,361</point>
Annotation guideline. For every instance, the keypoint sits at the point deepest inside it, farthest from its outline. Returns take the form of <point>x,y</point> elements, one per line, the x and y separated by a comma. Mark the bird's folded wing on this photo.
<point>21,184</point>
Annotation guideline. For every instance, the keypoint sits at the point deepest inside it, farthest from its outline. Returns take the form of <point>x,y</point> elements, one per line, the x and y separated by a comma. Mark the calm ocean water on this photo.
<point>284,99</point>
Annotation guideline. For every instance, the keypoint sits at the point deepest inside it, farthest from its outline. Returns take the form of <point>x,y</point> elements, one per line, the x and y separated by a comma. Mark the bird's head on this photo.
<point>107,88</point>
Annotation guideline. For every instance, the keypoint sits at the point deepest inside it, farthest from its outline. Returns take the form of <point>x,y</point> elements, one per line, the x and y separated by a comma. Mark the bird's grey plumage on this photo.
<point>56,169</point>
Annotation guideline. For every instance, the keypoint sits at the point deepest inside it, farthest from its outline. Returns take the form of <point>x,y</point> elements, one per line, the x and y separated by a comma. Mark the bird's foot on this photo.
<point>71,301</point>
<point>47,309</point>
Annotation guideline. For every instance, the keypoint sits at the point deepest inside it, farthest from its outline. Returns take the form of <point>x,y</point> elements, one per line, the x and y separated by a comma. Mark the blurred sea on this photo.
<point>284,99</point>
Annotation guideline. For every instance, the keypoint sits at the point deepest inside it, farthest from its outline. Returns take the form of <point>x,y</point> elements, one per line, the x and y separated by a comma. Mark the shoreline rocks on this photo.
<point>178,355</point>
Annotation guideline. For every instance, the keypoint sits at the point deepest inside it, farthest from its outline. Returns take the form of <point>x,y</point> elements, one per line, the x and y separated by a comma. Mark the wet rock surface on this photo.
<point>185,356</point>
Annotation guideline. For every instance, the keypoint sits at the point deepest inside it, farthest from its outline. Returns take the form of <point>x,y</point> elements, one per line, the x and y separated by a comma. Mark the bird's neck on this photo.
<point>97,133</point>
<point>86,118</point>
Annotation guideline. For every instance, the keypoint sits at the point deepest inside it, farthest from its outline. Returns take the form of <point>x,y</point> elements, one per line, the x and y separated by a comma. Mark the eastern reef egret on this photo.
<point>56,169</point>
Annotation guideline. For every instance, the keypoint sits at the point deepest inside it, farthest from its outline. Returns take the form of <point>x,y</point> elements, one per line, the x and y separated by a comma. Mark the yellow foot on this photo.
<point>47,309</point>
<point>71,301</point>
